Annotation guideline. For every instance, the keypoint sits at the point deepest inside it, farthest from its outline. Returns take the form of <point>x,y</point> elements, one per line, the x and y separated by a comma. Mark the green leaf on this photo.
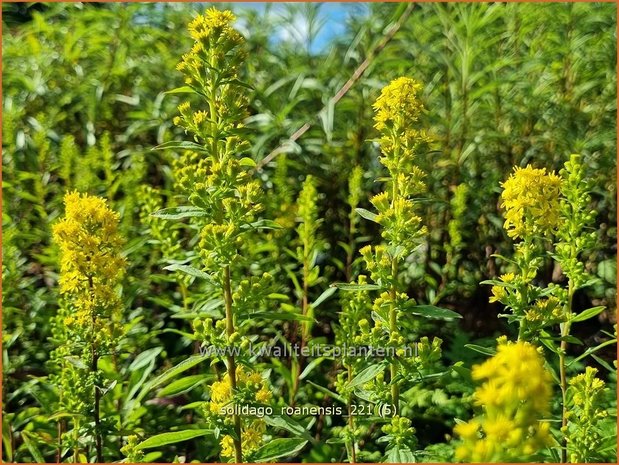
<point>603,362</point>
<point>356,287</point>
<point>262,224</point>
<point>335,441</point>
<point>591,350</point>
<point>181,90</point>
<point>177,213</point>
<point>238,83</point>
<point>279,448</point>
<point>180,145</point>
<point>430,311</point>
<point>400,454</point>
<point>311,365</point>
<point>144,358</point>
<point>497,282</point>
<point>193,405</point>
<point>152,457</point>
<point>171,373</point>
<point>324,296</point>
<point>571,339</point>
<point>171,438</point>
<point>246,161</point>
<point>368,215</point>
<point>277,316</point>
<point>286,423</point>
<point>190,336</point>
<point>482,350</point>
<point>461,370</point>
<point>366,375</point>
<point>326,391</point>
<point>32,447</point>
<point>190,270</point>
<point>547,341</point>
<point>59,415</point>
<point>586,314</point>
<point>180,386</point>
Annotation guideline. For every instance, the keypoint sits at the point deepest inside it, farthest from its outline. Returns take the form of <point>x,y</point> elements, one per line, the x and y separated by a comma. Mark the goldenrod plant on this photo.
<point>214,175</point>
<point>398,110</point>
<point>531,198</point>
<point>589,429</point>
<point>88,325</point>
<point>306,254</point>
<point>550,217</point>
<point>347,333</point>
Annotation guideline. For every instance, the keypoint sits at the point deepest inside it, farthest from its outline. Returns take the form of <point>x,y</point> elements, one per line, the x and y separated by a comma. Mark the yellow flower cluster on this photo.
<point>91,263</point>
<point>545,311</point>
<point>586,388</point>
<point>402,225</point>
<point>221,391</point>
<point>213,22</point>
<point>251,439</point>
<point>514,395</point>
<point>531,201</point>
<point>397,112</point>
<point>250,388</point>
<point>499,292</point>
<point>213,63</point>
<point>398,104</point>
<point>378,262</point>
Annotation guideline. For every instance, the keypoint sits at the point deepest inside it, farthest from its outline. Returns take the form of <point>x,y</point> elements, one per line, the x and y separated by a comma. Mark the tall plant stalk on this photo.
<point>215,178</point>
<point>238,448</point>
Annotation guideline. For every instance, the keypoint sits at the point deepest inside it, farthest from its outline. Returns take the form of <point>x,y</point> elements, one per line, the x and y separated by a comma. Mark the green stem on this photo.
<point>183,290</point>
<point>238,448</point>
<point>60,430</point>
<point>298,366</point>
<point>351,422</point>
<point>76,447</point>
<point>393,312</point>
<point>94,368</point>
<point>565,331</point>
<point>98,439</point>
<point>351,243</point>
<point>393,322</point>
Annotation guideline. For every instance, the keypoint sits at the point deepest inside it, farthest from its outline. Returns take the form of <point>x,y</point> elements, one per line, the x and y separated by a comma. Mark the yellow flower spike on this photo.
<point>89,245</point>
<point>214,18</point>
<point>91,268</point>
<point>398,103</point>
<point>531,198</point>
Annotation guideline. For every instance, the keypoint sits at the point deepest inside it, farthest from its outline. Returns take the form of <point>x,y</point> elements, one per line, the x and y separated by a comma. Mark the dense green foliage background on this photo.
<point>84,104</point>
